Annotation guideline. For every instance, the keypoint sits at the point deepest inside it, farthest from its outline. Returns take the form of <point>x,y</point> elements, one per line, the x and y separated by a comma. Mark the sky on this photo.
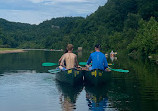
<point>37,11</point>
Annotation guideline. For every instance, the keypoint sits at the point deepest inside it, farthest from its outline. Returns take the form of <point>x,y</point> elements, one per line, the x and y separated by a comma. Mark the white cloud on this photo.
<point>35,17</point>
<point>36,1</point>
<point>24,16</point>
<point>36,11</point>
<point>57,1</point>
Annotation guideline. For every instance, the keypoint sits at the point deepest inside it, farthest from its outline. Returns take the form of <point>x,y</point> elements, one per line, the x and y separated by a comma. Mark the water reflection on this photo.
<point>1,75</point>
<point>68,95</point>
<point>79,54</point>
<point>97,97</point>
<point>25,86</point>
<point>30,60</point>
<point>113,58</point>
<point>137,90</point>
<point>21,71</point>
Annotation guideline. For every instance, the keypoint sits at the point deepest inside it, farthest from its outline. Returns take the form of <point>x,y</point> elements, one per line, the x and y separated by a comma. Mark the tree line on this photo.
<point>129,25</point>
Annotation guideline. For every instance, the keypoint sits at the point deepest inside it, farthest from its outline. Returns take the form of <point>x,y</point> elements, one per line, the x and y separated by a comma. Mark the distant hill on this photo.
<point>117,25</point>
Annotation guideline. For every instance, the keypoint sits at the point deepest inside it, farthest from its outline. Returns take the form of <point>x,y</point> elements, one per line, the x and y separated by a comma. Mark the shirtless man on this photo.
<point>69,58</point>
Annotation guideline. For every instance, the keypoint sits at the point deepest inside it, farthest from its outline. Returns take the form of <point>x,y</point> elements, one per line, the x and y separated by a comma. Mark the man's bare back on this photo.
<point>70,60</point>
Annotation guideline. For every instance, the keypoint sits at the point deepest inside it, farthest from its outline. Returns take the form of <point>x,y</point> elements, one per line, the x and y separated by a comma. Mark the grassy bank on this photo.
<point>10,50</point>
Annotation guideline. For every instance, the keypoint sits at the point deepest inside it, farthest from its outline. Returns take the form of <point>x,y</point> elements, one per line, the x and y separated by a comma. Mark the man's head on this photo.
<point>97,47</point>
<point>70,47</point>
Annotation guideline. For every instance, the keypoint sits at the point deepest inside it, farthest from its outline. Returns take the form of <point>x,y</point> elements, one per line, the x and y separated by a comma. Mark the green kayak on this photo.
<point>96,77</point>
<point>71,76</point>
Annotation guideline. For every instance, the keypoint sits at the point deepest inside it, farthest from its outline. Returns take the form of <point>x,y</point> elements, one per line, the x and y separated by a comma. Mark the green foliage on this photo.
<point>146,40</point>
<point>132,21</point>
<point>30,45</point>
<point>1,41</point>
<point>148,8</point>
<point>118,25</point>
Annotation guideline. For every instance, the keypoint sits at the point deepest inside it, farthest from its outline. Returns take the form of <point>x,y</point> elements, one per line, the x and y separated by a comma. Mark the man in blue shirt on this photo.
<point>98,59</point>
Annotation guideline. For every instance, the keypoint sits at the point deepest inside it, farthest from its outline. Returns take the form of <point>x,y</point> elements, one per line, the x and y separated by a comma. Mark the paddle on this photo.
<point>53,71</point>
<point>119,70</point>
<point>49,64</point>
<point>54,64</point>
<point>81,63</point>
<point>85,63</point>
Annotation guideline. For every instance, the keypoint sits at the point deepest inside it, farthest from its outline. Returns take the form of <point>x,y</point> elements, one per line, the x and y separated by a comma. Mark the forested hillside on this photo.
<point>130,25</point>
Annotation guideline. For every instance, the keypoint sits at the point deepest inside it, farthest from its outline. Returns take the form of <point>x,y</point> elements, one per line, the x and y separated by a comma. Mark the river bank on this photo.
<point>10,50</point>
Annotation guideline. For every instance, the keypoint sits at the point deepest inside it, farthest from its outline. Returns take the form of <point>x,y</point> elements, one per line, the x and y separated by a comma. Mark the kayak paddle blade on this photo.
<point>49,64</point>
<point>119,70</point>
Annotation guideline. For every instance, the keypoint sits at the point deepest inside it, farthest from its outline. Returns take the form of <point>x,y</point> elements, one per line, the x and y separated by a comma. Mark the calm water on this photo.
<point>27,86</point>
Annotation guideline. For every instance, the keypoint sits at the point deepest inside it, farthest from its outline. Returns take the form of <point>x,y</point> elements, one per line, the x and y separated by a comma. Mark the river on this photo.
<point>27,86</point>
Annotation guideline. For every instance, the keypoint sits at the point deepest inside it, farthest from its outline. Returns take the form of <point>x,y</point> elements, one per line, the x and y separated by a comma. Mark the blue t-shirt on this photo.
<point>98,61</point>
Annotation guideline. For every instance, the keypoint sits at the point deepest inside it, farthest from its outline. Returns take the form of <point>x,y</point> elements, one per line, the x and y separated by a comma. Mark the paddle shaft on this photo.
<point>85,63</point>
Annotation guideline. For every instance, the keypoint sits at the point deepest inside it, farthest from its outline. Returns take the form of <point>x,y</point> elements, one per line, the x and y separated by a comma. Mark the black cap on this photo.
<point>98,46</point>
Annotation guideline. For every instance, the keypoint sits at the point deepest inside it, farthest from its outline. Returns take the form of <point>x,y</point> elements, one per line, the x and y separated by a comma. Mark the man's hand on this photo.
<point>107,69</point>
<point>79,66</point>
<point>87,66</point>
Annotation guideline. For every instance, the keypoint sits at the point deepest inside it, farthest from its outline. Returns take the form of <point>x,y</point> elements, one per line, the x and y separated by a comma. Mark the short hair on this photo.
<point>70,47</point>
<point>98,46</point>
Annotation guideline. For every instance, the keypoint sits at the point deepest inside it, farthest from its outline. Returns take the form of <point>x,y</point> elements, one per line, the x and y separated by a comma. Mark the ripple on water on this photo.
<point>28,91</point>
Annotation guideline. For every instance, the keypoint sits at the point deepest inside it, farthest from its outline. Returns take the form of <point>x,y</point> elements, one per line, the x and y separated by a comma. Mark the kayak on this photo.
<point>71,76</point>
<point>96,77</point>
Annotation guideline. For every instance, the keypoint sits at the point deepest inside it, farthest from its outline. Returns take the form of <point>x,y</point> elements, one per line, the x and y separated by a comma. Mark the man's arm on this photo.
<point>89,60</point>
<point>62,61</point>
<point>76,62</point>
<point>105,63</point>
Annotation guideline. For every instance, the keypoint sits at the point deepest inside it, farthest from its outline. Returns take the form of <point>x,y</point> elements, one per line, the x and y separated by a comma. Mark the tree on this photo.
<point>146,40</point>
